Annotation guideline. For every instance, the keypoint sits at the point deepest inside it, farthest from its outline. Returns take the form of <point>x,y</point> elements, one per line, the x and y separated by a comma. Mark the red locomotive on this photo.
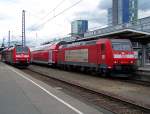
<point>17,55</point>
<point>102,55</point>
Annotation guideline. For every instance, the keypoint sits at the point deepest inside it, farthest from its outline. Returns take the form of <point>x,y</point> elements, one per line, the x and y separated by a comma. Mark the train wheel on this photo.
<point>105,73</point>
<point>82,69</point>
<point>61,67</point>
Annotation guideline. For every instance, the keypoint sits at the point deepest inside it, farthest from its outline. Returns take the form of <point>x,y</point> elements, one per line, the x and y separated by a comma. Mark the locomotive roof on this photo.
<point>120,40</point>
<point>91,42</point>
<point>12,47</point>
<point>78,43</point>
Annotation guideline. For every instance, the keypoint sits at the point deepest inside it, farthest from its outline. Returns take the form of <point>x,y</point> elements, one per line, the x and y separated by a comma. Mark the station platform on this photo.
<point>143,73</point>
<point>22,94</point>
<point>144,69</point>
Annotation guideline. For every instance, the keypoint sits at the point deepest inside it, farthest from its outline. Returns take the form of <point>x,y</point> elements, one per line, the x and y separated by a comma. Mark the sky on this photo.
<point>48,19</point>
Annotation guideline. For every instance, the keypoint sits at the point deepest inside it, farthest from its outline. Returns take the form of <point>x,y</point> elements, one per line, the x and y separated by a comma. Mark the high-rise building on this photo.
<point>124,11</point>
<point>79,27</point>
<point>110,16</point>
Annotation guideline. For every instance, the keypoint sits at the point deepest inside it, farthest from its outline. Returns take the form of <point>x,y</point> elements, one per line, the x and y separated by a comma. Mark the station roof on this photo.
<point>131,34</point>
<point>1,48</point>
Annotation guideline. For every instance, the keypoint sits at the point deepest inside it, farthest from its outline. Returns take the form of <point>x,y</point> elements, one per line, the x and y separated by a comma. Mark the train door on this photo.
<point>103,53</point>
<point>12,52</point>
<point>50,57</point>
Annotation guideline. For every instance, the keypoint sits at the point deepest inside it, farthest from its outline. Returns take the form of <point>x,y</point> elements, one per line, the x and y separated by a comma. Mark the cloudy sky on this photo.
<point>40,22</point>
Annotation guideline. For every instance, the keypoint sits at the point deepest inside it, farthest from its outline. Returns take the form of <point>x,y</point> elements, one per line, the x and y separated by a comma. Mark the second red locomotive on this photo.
<point>17,55</point>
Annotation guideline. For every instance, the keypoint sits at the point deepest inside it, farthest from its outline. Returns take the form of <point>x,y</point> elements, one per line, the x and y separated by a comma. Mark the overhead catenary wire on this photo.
<point>42,18</point>
<point>59,4</point>
<point>70,7</point>
<point>51,11</point>
<point>33,14</point>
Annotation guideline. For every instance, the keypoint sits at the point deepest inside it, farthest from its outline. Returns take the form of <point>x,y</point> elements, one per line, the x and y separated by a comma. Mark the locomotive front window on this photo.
<point>25,50</point>
<point>121,46</point>
<point>21,49</point>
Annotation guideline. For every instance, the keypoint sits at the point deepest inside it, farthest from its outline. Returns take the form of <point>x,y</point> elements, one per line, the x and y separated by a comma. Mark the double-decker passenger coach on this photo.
<point>46,54</point>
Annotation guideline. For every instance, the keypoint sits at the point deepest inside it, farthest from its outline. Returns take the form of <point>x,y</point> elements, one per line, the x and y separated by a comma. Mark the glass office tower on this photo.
<point>79,27</point>
<point>124,11</point>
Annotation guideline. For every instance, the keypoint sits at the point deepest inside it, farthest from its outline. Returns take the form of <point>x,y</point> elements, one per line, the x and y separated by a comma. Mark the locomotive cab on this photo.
<point>123,58</point>
<point>22,55</point>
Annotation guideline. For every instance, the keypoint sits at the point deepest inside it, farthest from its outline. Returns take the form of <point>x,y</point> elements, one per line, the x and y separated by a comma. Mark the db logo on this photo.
<point>123,56</point>
<point>123,53</point>
<point>103,56</point>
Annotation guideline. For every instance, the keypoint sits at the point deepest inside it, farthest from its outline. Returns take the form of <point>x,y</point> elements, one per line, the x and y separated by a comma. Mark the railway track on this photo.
<point>139,82</point>
<point>135,80</point>
<point>99,99</point>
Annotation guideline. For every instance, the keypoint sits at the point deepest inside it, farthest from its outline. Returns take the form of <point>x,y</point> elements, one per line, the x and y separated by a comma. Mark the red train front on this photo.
<point>124,58</point>
<point>17,55</point>
<point>102,55</point>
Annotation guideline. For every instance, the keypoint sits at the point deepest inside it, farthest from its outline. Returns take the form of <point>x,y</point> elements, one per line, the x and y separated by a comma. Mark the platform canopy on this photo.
<point>1,48</point>
<point>131,34</point>
<point>138,32</point>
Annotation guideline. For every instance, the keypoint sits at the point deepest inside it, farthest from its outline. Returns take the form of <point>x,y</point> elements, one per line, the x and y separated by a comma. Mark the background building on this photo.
<point>124,11</point>
<point>110,16</point>
<point>79,27</point>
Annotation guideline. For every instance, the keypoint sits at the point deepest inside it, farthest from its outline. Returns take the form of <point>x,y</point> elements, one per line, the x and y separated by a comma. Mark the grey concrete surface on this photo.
<point>21,96</point>
<point>12,98</point>
<point>133,93</point>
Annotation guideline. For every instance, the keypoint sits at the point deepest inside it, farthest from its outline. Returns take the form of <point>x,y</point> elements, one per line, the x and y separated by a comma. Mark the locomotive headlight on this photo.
<point>115,62</point>
<point>109,67</point>
<point>131,62</point>
<point>26,56</point>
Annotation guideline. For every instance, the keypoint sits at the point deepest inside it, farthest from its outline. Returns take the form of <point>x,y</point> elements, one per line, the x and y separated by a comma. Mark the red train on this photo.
<point>17,55</point>
<point>102,55</point>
